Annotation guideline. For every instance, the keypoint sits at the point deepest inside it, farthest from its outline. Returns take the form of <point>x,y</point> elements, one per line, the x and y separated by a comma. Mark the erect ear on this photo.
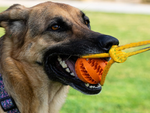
<point>14,19</point>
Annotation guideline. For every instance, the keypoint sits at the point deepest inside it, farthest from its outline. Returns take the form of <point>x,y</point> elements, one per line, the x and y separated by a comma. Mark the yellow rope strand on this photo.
<point>117,55</point>
<point>106,71</point>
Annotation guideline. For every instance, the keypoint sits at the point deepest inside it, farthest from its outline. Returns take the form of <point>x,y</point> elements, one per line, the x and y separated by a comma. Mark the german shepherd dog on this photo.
<point>38,54</point>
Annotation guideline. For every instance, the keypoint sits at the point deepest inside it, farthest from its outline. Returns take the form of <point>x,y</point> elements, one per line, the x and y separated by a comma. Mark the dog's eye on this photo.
<point>86,22</point>
<point>55,27</point>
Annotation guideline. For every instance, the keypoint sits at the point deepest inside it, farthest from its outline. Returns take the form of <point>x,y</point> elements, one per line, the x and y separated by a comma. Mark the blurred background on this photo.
<point>117,6</point>
<point>127,85</point>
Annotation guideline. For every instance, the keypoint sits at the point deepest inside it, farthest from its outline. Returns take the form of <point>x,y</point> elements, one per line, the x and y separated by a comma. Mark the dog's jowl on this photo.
<point>38,54</point>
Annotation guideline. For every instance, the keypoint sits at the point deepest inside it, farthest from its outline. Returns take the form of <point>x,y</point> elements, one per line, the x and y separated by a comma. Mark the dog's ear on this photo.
<point>13,17</point>
<point>15,12</point>
<point>13,20</point>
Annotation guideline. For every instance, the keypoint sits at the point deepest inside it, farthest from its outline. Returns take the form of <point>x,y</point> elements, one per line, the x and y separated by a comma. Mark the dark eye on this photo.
<point>86,22</point>
<point>55,27</point>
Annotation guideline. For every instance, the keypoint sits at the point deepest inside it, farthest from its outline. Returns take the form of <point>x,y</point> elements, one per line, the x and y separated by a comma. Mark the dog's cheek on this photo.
<point>34,50</point>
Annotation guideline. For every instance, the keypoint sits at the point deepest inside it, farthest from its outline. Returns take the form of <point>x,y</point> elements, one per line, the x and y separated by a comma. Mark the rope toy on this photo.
<point>93,69</point>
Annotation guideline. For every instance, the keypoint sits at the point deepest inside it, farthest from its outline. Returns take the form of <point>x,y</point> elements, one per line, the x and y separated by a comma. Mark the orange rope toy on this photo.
<point>93,69</point>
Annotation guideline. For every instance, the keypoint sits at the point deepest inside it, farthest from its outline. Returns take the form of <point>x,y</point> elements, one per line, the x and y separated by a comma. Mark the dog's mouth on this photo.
<point>62,68</point>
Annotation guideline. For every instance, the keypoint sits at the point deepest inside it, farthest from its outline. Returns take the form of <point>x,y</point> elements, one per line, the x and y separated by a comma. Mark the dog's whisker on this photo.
<point>68,57</point>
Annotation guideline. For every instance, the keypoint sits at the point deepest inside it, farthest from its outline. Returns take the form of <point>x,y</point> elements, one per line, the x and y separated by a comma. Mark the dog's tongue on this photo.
<point>71,65</point>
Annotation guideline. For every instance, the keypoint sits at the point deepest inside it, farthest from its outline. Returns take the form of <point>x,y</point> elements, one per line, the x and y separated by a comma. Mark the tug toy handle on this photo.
<point>117,55</point>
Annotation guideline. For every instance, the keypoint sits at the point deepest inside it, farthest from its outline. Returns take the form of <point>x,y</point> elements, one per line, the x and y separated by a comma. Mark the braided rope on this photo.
<point>117,55</point>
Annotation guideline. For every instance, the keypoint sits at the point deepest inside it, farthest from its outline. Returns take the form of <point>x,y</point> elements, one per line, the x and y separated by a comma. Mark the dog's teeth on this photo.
<point>64,65</point>
<point>87,59</point>
<point>68,70</point>
<point>99,86</point>
<point>59,59</point>
<point>60,62</point>
<point>72,74</point>
<point>91,86</point>
<point>87,84</point>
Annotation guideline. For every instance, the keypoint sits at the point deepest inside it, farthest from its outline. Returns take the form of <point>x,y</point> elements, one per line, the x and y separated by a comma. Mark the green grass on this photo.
<point>126,89</point>
<point>1,29</point>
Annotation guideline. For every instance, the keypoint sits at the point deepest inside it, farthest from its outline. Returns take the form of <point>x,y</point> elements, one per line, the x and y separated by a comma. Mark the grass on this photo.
<point>126,89</point>
<point>1,29</point>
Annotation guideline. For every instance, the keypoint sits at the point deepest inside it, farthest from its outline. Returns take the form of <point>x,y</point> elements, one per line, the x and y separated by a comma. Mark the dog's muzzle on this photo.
<point>59,61</point>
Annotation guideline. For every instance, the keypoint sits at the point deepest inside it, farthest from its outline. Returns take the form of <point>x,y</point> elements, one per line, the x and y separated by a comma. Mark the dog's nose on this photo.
<point>106,42</point>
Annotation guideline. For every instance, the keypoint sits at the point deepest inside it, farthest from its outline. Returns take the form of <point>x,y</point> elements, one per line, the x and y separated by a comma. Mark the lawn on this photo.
<point>126,89</point>
<point>2,30</point>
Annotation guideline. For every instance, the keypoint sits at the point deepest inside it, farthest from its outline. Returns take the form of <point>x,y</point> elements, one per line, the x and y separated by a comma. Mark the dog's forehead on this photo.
<point>42,14</point>
<point>55,9</point>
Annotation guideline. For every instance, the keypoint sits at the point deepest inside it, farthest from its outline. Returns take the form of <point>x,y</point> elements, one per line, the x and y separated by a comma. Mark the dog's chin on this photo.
<point>61,68</point>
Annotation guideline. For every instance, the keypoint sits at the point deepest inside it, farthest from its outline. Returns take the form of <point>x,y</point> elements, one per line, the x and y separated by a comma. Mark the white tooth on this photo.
<point>72,74</point>
<point>61,62</point>
<point>68,70</point>
<point>87,84</point>
<point>64,65</point>
<point>87,59</point>
<point>91,86</point>
<point>99,86</point>
<point>59,59</point>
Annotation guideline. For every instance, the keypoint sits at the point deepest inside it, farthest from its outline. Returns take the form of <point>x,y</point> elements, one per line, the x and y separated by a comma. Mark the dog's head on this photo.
<point>52,36</point>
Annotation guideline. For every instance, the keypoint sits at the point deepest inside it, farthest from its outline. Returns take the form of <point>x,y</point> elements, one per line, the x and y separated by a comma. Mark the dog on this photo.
<point>38,54</point>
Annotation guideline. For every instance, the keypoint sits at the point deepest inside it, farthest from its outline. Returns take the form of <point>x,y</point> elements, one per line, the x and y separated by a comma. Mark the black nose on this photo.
<point>106,42</point>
